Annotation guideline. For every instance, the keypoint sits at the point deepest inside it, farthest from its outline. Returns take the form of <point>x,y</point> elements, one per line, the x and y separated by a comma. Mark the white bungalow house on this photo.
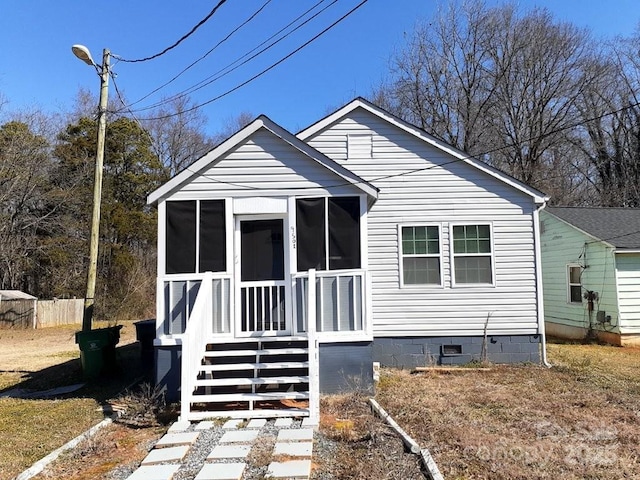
<point>417,255</point>
<point>591,273</point>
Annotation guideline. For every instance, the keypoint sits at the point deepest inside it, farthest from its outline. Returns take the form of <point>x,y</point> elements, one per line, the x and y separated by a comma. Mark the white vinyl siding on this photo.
<point>424,185</point>
<point>265,166</point>
<point>421,258</point>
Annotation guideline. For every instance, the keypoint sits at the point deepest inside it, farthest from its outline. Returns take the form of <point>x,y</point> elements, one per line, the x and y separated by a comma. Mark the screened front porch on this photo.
<point>278,310</point>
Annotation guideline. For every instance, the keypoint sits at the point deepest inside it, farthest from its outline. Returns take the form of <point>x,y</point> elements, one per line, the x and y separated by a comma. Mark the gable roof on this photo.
<point>619,227</point>
<point>261,122</point>
<point>539,197</point>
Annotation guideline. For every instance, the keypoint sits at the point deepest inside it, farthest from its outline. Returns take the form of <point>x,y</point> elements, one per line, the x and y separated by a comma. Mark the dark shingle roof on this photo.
<point>618,226</point>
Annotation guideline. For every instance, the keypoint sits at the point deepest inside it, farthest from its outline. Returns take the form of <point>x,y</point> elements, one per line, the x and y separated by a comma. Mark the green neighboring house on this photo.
<point>591,273</point>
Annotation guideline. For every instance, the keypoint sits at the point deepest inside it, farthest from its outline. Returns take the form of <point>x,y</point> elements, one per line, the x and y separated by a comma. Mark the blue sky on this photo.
<point>37,68</point>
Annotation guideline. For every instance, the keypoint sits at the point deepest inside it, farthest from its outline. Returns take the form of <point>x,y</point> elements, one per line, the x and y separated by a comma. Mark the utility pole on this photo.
<point>89,298</point>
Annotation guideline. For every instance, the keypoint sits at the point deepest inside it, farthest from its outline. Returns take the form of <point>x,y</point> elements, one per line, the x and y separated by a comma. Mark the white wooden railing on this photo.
<point>263,306</point>
<point>342,309</point>
<point>194,341</point>
<point>314,360</point>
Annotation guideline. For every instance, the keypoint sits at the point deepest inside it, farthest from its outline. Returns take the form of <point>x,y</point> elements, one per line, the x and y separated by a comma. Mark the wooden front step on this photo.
<point>252,378</point>
<point>225,382</point>
<point>254,366</point>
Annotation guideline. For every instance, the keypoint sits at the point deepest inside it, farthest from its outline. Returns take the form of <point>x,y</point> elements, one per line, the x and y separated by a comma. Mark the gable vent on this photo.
<point>359,145</point>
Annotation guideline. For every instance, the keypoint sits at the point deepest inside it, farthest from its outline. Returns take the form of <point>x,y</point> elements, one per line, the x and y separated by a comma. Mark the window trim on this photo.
<point>569,284</point>
<point>453,255</point>
<point>440,256</point>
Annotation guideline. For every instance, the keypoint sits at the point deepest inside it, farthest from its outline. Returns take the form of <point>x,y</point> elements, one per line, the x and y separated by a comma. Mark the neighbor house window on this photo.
<point>472,254</point>
<point>328,233</point>
<point>420,250</point>
<point>195,236</point>
<point>574,287</point>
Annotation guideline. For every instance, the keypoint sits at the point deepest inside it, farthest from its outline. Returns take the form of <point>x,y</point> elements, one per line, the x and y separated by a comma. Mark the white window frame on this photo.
<point>454,255</point>
<point>439,256</point>
<point>570,284</point>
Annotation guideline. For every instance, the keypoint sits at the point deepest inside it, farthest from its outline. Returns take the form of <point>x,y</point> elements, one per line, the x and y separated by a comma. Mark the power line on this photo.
<point>228,68</point>
<point>440,165</point>
<point>255,14</point>
<point>261,73</point>
<point>180,40</point>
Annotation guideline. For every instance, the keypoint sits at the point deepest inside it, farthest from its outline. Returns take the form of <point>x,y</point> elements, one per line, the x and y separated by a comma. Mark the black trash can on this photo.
<point>146,334</point>
<point>98,350</point>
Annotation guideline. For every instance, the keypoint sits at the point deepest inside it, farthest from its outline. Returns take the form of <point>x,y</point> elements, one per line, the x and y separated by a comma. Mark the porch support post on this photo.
<point>314,363</point>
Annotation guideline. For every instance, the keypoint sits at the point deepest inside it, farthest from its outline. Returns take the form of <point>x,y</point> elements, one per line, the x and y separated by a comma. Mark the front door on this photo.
<point>262,292</point>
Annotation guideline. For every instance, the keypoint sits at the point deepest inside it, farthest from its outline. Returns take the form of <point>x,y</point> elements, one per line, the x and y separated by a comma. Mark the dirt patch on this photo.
<point>116,446</point>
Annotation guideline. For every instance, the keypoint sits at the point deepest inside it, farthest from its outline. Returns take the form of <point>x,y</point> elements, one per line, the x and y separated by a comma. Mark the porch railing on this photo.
<point>341,303</point>
<point>194,341</point>
<point>179,301</point>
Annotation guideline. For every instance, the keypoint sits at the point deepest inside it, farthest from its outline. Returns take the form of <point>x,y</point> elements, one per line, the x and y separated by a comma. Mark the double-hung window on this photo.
<point>472,254</point>
<point>574,283</point>
<point>420,247</point>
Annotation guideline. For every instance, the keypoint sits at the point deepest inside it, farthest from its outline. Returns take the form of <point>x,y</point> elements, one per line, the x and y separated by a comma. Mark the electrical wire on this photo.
<point>184,70</point>
<point>230,67</point>
<point>264,71</point>
<point>180,40</point>
<point>456,160</point>
<point>146,131</point>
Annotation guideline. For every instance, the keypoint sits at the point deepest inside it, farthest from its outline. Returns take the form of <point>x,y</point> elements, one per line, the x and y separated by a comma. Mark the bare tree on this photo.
<point>610,136</point>
<point>177,132</point>
<point>497,84</point>
<point>25,164</point>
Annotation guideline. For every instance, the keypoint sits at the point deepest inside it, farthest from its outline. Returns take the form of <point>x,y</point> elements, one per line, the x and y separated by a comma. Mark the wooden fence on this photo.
<point>40,313</point>
<point>59,312</point>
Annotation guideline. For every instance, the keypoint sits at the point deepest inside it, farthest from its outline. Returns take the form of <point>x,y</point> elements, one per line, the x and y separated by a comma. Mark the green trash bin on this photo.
<point>98,350</point>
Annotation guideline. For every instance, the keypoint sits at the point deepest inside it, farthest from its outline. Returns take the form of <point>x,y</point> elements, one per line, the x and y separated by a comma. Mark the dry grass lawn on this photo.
<point>579,419</point>
<point>37,360</point>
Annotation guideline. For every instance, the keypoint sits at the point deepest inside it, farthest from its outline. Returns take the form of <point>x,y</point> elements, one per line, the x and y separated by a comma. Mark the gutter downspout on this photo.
<point>539,288</point>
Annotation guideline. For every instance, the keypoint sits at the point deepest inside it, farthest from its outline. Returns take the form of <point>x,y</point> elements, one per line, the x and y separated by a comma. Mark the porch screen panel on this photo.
<point>212,236</point>
<point>178,305</point>
<point>346,296</point>
<point>327,295</point>
<point>302,285</point>
<point>310,220</point>
<point>344,233</point>
<point>180,252</point>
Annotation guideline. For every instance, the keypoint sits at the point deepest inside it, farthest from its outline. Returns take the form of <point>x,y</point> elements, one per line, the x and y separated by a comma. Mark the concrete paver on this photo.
<point>180,426</point>
<point>283,422</point>
<point>239,436</point>
<point>229,451</point>
<point>294,449</point>
<point>310,422</point>
<point>180,438</point>
<point>257,423</point>
<point>295,435</point>
<point>204,425</point>
<point>154,472</point>
<point>294,469</point>
<point>232,424</point>
<point>162,455</point>
<point>221,471</point>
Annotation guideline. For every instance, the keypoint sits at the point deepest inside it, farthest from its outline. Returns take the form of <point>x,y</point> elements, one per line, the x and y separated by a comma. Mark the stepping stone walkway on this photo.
<point>227,450</point>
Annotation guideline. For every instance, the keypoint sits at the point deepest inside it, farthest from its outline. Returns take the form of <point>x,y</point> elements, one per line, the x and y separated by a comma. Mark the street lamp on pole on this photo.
<point>83,54</point>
